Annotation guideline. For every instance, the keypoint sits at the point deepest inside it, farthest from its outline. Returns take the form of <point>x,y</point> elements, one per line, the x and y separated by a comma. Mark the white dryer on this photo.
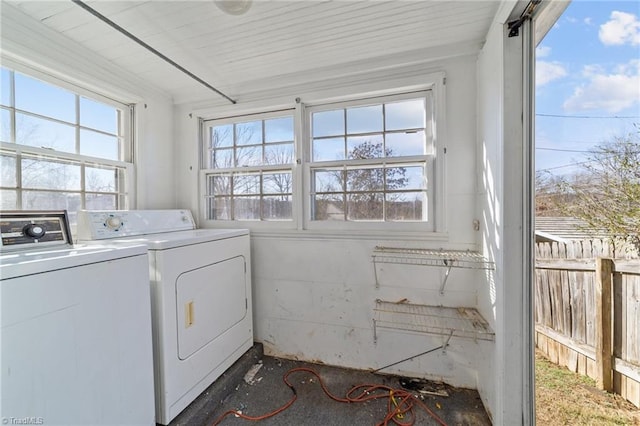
<point>201,296</point>
<point>75,327</point>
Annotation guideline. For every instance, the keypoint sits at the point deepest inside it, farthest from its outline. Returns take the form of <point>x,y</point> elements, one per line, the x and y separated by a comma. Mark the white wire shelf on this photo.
<point>446,258</point>
<point>436,320</point>
<point>426,257</point>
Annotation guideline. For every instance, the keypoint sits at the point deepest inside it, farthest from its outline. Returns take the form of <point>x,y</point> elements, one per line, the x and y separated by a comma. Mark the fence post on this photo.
<point>604,326</point>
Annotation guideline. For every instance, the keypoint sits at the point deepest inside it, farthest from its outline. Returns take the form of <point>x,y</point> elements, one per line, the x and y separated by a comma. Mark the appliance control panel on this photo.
<point>104,224</point>
<point>27,229</point>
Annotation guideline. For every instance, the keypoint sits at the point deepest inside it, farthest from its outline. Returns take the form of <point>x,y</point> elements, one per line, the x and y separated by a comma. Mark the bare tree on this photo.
<point>606,194</point>
<point>549,201</point>
<point>367,188</point>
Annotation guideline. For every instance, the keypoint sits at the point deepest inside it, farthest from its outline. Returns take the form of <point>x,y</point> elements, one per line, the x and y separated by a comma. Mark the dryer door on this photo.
<point>210,301</point>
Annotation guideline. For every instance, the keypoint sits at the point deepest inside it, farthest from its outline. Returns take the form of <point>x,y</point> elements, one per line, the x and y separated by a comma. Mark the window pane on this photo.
<point>8,199</point>
<point>98,145</point>
<point>5,125</point>
<point>368,206</point>
<point>249,133</point>
<point>328,207</point>
<point>100,202</point>
<point>278,130</point>
<point>249,156</point>
<point>99,116</point>
<point>100,180</point>
<point>219,185</point>
<point>43,200</point>
<point>328,149</point>
<point>405,115</point>
<point>247,208</point>
<point>42,174</point>
<point>8,171</point>
<point>222,158</point>
<point>222,136</point>
<point>276,207</point>
<point>364,119</point>
<point>328,123</point>
<point>43,133</point>
<point>44,99</point>
<point>277,183</point>
<point>220,208</point>
<point>246,184</point>
<point>278,154</point>
<point>406,143</point>
<point>5,87</point>
<point>365,180</point>
<point>411,177</point>
<point>405,206</point>
<point>361,147</point>
<point>329,180</point>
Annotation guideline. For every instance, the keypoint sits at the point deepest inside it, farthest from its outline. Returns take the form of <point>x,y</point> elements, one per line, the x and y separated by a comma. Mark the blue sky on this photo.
<point>587,81</point>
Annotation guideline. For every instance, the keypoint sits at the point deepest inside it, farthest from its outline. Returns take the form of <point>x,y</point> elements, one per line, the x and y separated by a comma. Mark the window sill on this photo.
<point>369,235</point>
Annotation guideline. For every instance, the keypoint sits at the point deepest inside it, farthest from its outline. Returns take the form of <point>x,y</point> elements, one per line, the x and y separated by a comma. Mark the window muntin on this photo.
<point>371,160</point>
<point>249,168</point>
<point>361,165</point>
<point>60,149</point>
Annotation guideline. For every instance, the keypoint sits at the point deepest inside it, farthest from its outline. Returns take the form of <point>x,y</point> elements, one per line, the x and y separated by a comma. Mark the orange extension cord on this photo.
<point>400,405</point>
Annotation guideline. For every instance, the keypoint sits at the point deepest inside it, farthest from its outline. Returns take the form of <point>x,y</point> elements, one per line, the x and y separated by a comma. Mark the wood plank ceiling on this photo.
<point>273,43</point>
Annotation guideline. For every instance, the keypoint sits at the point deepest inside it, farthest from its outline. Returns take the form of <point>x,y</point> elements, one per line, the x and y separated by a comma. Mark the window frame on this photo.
<point>428,160</point>
<point>435,229</point>
<point>206,171</point>
<point>125,180</point>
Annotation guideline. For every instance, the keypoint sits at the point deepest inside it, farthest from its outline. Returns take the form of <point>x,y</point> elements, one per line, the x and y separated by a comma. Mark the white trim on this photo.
<point>79,88</point>
<point>430,84</point>
<point>60,155</point>
<point>299,176</point>
<point>435,164</point>
<point>439,186</point>
<point>429,239</point>
<point>124,137</point>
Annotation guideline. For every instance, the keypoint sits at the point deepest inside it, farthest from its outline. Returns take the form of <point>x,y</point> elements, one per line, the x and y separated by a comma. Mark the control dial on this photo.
<point>34,230</point>
<point>113,222</point>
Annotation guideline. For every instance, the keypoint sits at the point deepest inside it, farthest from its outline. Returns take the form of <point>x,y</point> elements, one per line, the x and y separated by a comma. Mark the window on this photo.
<point>357,165</point>
<point>249,168</point>
<point>371,160</point>
<point>61,149</point>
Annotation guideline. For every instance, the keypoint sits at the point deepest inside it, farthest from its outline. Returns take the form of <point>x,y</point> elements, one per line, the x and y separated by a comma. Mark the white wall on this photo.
<point>490,181</point>
<point>314,293</point>
<point>29,45</point>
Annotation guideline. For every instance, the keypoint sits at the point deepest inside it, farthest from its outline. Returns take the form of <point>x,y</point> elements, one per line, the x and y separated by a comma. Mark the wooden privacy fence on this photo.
<point>587,313</point>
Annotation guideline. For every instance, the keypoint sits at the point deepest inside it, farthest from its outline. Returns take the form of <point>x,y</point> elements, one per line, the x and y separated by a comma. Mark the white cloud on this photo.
<point>611,92</point>
<point>543,51</point>
<point>588,21</point>
<point>622,28</point>
<point>547,71</point>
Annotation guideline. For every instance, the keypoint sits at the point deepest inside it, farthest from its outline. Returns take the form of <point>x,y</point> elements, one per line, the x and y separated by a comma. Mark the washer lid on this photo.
<point>30,262</point>
<point>168,240</point>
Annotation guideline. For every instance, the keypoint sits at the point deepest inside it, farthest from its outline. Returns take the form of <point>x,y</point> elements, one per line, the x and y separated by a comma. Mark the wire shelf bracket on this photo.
<point>434,320</point>
<point>425,257</point>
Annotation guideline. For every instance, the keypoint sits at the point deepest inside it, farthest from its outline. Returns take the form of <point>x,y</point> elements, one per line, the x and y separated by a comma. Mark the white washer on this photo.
<point>201,296</point>
<point>75,327</point>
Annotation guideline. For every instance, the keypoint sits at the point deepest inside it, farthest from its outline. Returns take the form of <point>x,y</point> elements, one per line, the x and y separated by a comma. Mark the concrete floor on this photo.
<point>313,407</point>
